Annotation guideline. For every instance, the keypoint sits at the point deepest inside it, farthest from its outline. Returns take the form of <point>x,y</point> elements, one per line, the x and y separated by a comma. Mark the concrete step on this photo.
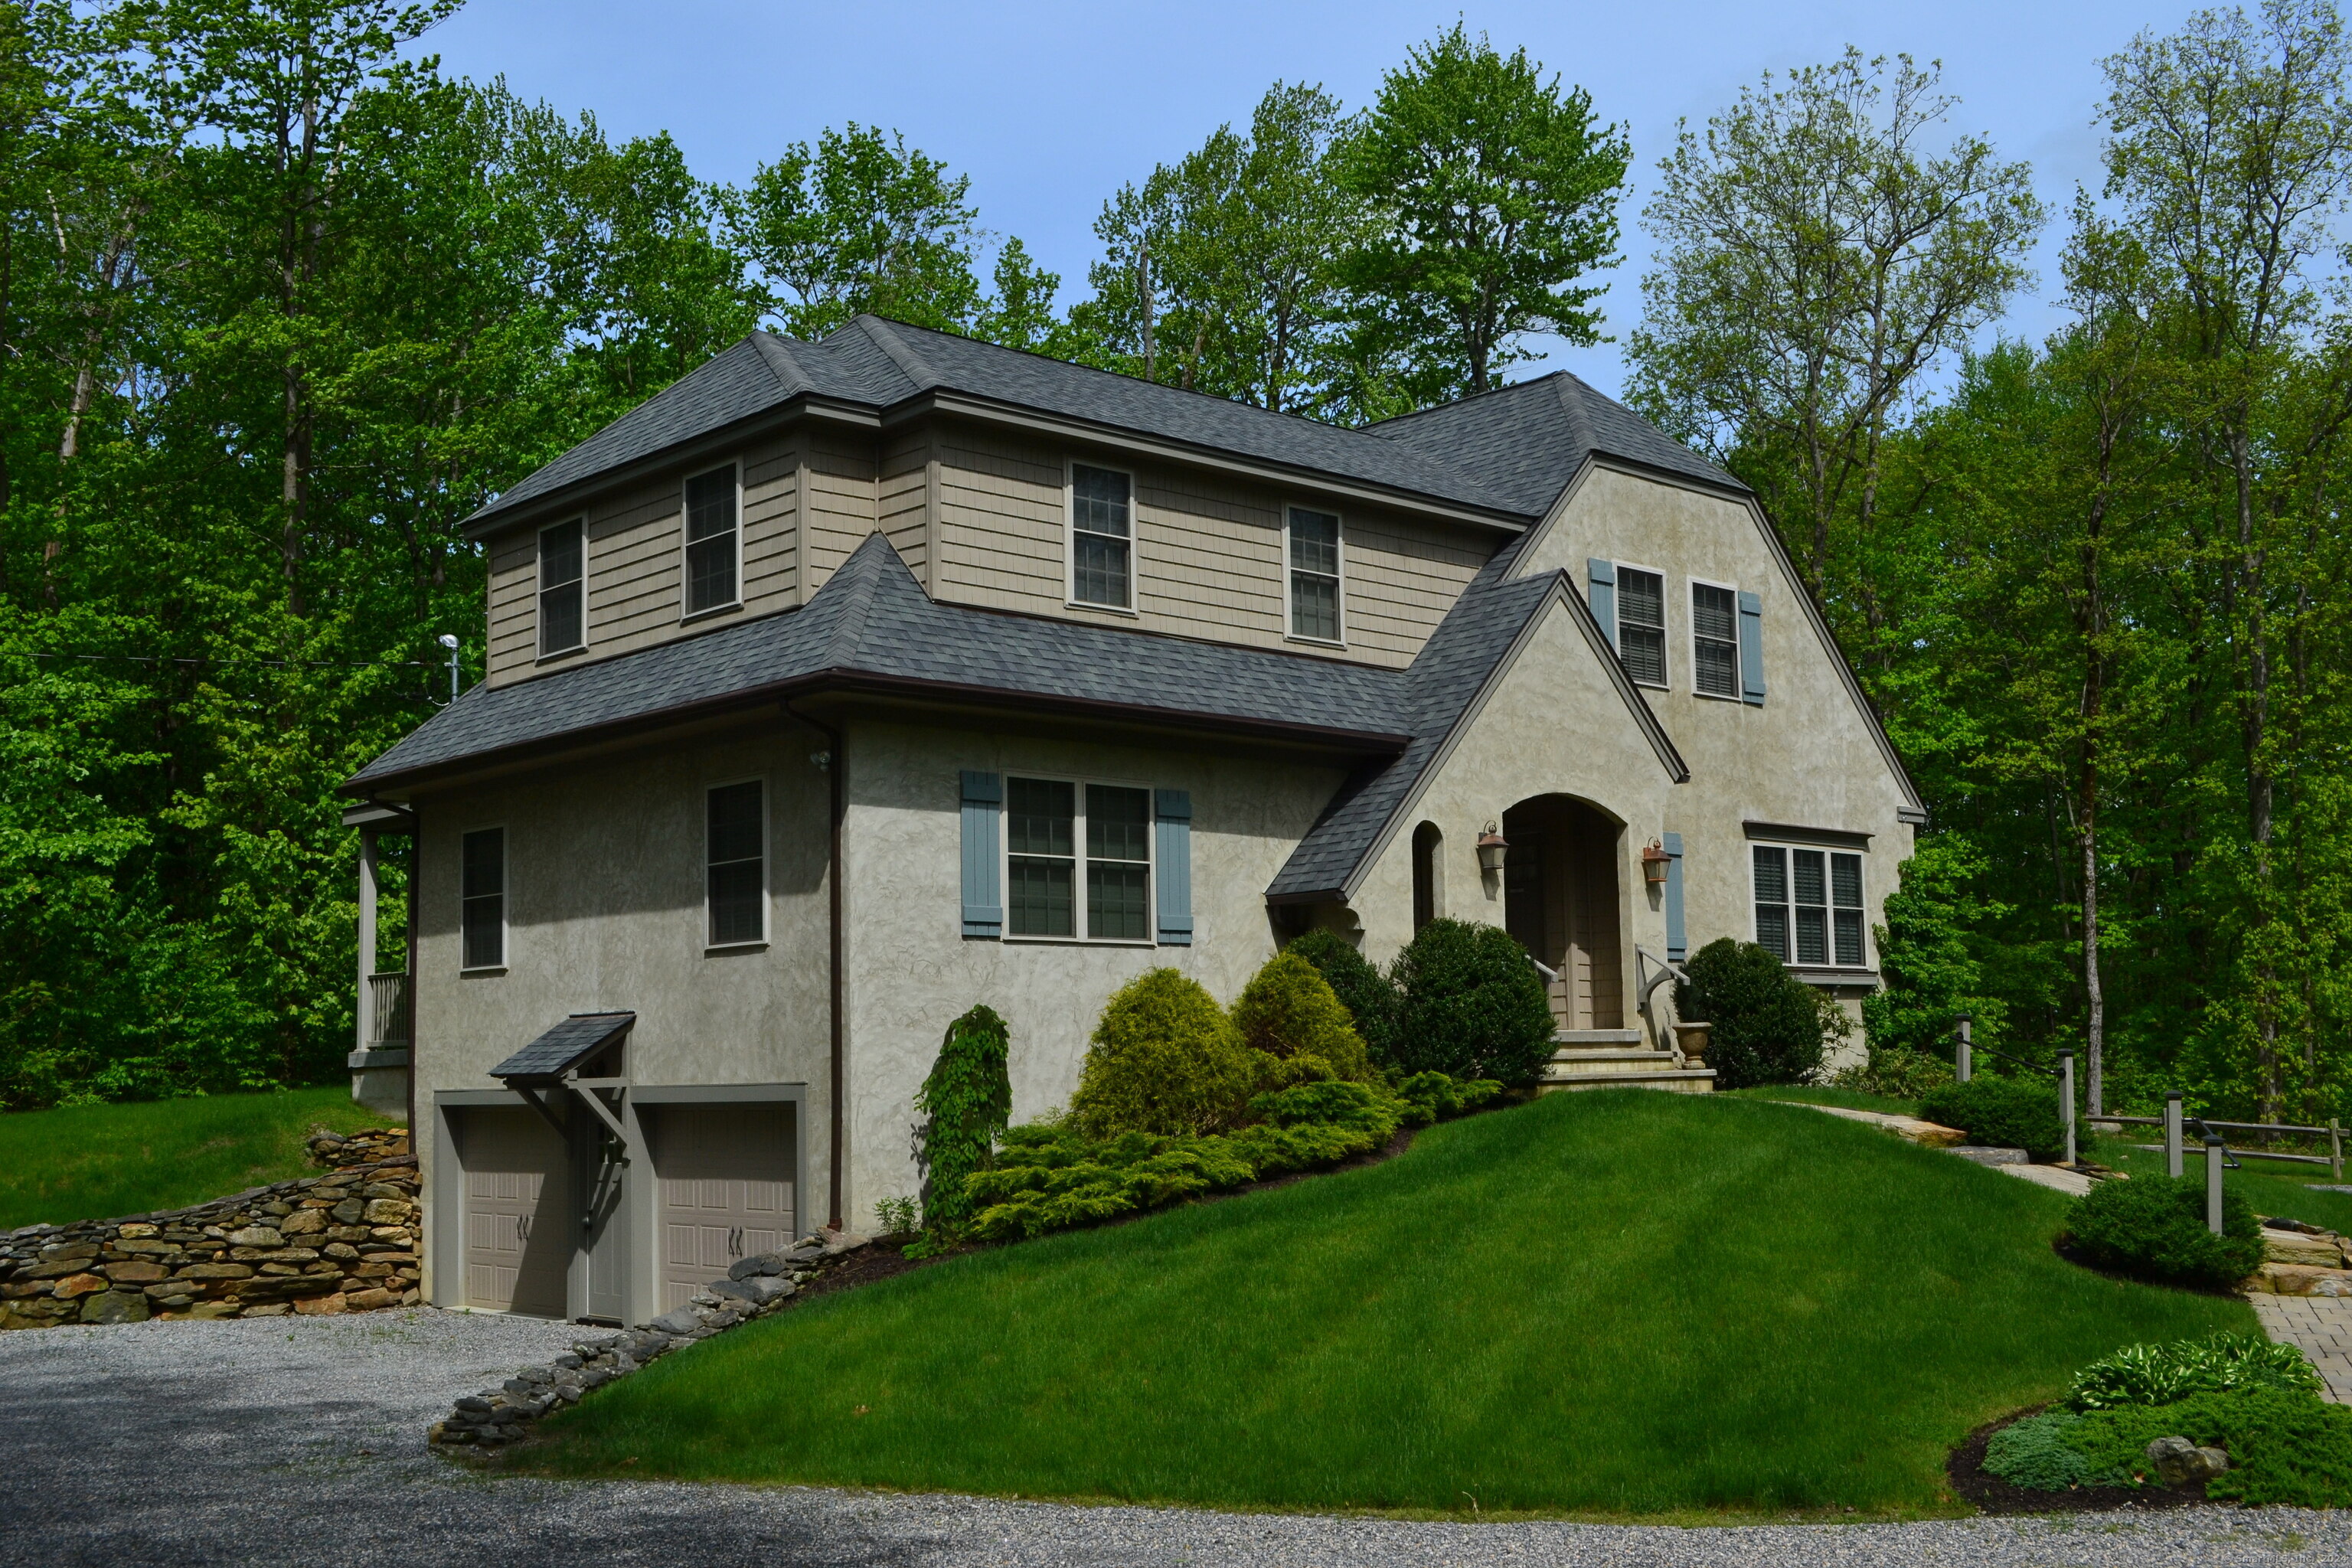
<point>1618,1061</point>
<point>1575,1037</point>
<point>1673,1081</point>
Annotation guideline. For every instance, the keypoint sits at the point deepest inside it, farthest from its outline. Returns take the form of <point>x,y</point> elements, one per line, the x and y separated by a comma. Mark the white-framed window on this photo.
<point>482,899</point>
<point>1715,639</point>
<point>1311,545</point>
<point>735,863</point>
<point>713,565</point>
<point>562,587</point>
<point>1102,537</point>
<point>1641,623</point>
<point>1078,859</point>
<point>1809,905</point>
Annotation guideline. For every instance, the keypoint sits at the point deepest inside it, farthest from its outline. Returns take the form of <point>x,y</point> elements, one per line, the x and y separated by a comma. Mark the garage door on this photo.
<point>726,1175</point>
<point>518,1215</point>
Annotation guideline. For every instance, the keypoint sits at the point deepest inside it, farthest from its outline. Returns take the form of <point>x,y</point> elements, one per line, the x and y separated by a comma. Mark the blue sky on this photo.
<point>1049,108</point>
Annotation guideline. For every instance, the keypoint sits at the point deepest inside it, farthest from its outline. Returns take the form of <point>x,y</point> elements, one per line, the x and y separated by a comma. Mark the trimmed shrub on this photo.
<point>2285,1447</point>
<point>1433,1096</point>
<point>1289,1012</point>
<point>2000,1113</point>
<point>2034,1453</point>
<point>1369,996</point>
<point>1768,1027</point>
<point>1472,1007</point>
<point>965,1102</point>
<point>2153,1227</point>
<point>1164,1060</point>
<point>2160,1375</point>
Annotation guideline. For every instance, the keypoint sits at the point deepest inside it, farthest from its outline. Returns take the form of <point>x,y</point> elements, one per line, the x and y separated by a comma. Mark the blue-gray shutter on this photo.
<point>1677,943</point>
<point>1600,593</point>
<point>983,905</point>
<point>1751,649</point>
<point>1175,851</point>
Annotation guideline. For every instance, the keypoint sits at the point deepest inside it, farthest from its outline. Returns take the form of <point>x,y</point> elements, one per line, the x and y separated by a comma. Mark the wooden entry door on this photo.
<point>1559,899</point>
<point>518,1216</point>
<point>726,1177</point>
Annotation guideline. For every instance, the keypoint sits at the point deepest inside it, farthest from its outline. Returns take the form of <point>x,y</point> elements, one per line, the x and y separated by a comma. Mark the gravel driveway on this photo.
<point>301,1442</point>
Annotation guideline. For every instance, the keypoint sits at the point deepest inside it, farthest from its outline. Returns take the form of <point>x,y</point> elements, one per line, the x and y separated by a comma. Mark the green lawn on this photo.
<point>2272,1187</point>
<point>1613,1303</point>
<point>94,1162</point>
<point>1818,1094</point>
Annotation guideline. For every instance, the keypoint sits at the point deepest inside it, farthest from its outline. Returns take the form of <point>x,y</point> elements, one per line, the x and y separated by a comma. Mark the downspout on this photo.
<point>836,776</point>
<point>415,860</point>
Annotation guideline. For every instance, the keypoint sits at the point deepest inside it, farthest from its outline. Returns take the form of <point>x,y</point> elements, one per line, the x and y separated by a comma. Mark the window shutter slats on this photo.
<point>1751,649</point>
<point>1601,594</point>
<point>983,905</point>
<point>1175,856</point>
<point>1677,943</point>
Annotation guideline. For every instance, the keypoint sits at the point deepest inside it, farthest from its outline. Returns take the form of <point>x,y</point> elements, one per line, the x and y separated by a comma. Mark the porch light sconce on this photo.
<point>1491,848</point>
<point>1654,862</point>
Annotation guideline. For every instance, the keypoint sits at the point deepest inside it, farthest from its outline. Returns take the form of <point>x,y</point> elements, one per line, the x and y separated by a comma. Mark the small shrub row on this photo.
<point>2153,1227</point>
<point>2285,1447</point>
<point>2000,1113</point>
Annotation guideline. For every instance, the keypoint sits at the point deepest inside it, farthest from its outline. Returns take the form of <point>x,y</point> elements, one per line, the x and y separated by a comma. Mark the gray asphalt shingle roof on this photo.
<point>565,1045</point>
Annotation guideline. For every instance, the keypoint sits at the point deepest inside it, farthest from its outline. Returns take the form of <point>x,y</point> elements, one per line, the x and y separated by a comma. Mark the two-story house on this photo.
<point>845,684</point>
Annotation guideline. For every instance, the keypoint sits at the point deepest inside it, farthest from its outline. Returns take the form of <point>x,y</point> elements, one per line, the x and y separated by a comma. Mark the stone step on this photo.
<point>1574,1037</point>
<point>1619,1061</point>
<point>1673,1081</point>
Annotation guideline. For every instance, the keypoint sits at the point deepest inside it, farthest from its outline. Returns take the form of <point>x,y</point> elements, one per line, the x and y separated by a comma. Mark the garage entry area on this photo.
<point>517,1219</point>
<point>724,1179</point>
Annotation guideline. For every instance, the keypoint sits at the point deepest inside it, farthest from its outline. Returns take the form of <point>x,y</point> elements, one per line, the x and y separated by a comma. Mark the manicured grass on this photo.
<point>1617,1303</point>
<point>94,1162</point>
<point>1816,1094</point>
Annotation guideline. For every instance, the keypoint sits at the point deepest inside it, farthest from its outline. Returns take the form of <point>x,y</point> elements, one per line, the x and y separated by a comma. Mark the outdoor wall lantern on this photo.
<point>1654,862</point>
<point>1491,847</point>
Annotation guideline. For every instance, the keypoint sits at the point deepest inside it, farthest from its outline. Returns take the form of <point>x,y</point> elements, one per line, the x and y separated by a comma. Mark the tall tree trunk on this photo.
<point>2253,715</point>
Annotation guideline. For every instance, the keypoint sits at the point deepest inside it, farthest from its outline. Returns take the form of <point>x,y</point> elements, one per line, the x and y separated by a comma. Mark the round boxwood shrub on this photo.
<point>1768,1027</point>
<point>2000,1113</point>
<point>1289,1012</point>
<point>2153,1227</point>
<point>964,1104</point>
<point>1369,996</point>
<point>1165,1061</point>
<point>1472,1006</point>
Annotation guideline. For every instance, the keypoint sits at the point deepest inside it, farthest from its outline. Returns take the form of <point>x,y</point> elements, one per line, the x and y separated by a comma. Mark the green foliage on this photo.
<point>2000,1113</point>
<point>1435,1096</point>
<point>1895,1074</point>
<point>1928,954</point>
<point>2153,1227</point>
<point>965,1102</point>
<point>2161,1374</point>
<point>1165,1061</point>
<point>1471,1005</point>
<point>2034,1452</point>
<point>2286,1449</point>
<point>897,1217</point>
<point>1369,996</point>
<point>1289,1012</point>
<point>1768,1025</point>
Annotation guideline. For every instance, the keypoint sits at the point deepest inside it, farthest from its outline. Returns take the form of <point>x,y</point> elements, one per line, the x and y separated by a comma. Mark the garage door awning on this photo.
<point>563,1047</point>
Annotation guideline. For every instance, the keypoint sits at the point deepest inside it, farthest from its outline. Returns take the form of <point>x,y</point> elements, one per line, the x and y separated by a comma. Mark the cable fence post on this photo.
<point>1962,1051</point>
<point>2172,1132</point>
<point>2334,1150</point>
<point>2066,1100</point>
<point>2213,1152</point>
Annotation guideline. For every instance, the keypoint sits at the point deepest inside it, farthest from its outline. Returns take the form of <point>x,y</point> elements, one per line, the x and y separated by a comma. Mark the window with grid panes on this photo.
<point>561,607</point>
<point>1060,836</point>
<point>1809,905</point>
<point>735,864</point>
<point>1119,863</point>
<point>1714,640</point>
<point>1102,537</point>
<point>1641,625</point>
<point>710,540</point>
<point>482,898</point>
<point>1314,575</point>
<point>1041,857</point>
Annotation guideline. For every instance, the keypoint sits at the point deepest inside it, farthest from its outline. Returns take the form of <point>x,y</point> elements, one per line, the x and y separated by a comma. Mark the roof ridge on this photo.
<point>775,349</point>
<point>912,365</point>
<point>861,577</point>
<point>1382,427</point>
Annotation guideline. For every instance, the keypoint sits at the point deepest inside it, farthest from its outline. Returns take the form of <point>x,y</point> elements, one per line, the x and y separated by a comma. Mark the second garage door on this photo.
<point>518,1214</point>
<point>726,1175</point>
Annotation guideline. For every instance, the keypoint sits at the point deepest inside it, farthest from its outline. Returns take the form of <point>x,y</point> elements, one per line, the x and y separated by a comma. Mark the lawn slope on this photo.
<point>95,1162</point>
<point>1618,1302</point>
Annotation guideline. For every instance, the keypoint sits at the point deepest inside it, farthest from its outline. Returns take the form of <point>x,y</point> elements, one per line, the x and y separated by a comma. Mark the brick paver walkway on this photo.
<point>2322,1326</point>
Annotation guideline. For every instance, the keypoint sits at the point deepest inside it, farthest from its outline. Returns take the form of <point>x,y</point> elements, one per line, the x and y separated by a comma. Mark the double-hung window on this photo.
<point>735,864</point>
<point>482,898</point>
<point>1714,640</point>
<point>1809,906</point>
<point>1641,623</point>
<point>562,588</point>
<point>712,541</point>
<point>1314,575</point>
<point>1102,537</point>
<point>1051,825</point>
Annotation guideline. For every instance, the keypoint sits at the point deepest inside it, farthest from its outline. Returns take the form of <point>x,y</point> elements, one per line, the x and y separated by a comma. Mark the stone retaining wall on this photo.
<point>341,1242</point>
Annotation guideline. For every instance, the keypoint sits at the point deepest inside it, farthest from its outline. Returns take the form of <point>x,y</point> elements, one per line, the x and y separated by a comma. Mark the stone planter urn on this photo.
<point>1691,1040</point>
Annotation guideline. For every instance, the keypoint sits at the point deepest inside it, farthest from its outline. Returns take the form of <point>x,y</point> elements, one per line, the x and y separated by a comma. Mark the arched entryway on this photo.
<point>1560,900</point>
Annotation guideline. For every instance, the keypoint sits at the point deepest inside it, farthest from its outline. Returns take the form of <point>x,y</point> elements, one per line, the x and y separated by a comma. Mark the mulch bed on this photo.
<point>1989,1492</point>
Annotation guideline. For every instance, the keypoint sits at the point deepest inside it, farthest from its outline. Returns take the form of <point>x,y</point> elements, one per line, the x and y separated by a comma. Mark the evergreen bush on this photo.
<point>1290,1013</point>
<point>1369,996</point>
<point>964,1103</point>
<point>2153,1227</point>
<point>2002,1113</point>
<point>1471,1006</point>
<point>2034,1453</point>
<point>2286,1448</point>
<point>1165,1061</point>
<point>1768,1025</point>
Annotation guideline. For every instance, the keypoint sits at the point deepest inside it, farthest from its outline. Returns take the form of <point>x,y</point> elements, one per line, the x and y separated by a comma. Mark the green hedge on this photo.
<point>1473,1006</point>
<point>1164,1060</point>
<point>1369,996</point>
<point>1289,1013</point>
<point>2002,1113</point>
<point>1768,1027</point>
<point>2153,1227</point>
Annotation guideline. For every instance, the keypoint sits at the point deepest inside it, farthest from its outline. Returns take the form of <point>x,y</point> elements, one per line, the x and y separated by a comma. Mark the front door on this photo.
<point>517,1213</point>
<point>726,1175</point>
<point>1559,899</point>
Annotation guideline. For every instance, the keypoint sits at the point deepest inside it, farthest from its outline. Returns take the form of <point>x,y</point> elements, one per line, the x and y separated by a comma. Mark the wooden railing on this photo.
<point>389,1000</point>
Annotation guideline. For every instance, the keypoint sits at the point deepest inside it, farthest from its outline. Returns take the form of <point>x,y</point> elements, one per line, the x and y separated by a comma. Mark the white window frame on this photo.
<point>767,864</point>
<point>1665,622</point>
<point>505,898</point>
<point>1083,935</point>
<point>1070,467</point>
<point>1290,631</point>
<point>1735,695</point>
<point>539,587</point>
<point>684,572</point>
<point>1786,847</point>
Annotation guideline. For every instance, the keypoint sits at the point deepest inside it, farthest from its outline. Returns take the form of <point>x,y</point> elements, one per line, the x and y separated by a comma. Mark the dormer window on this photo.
<point>1314,575</point>
<point>563,589</point>
<point>712,541</point>
<point>1102,537</point>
